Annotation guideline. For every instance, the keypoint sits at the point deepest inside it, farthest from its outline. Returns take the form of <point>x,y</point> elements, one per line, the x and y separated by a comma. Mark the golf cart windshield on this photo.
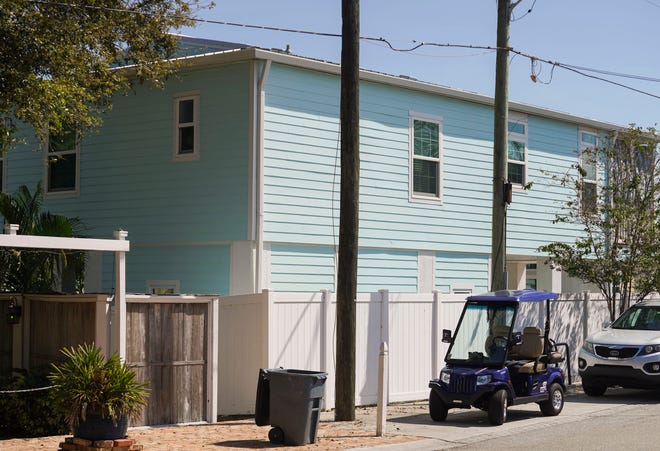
<point>482,334</point>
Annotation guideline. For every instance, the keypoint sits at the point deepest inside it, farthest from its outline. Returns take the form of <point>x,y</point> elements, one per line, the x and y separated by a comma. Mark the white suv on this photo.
<point>627,353</point>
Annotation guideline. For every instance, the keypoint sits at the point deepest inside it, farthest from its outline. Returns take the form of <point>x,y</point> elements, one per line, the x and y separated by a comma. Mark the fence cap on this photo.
<point>526,295</point>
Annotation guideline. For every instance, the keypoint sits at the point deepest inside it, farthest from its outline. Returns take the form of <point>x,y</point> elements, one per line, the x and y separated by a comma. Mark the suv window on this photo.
<point>639,318</point>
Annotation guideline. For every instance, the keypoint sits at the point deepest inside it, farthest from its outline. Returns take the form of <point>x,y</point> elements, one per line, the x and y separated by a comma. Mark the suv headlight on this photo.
<point>484,379</point>
<point>445,376</point>
<point>649,349</point>
<point>588,346</point>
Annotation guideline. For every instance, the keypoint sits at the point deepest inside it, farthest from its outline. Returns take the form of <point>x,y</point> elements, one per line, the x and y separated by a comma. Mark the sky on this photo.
<point>615,36</point>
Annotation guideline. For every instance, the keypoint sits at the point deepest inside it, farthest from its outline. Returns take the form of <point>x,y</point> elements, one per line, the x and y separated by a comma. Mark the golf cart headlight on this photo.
<point>588,346</point>
<point>484,379</point>
<point>650,349</point>
<point>445,376</point>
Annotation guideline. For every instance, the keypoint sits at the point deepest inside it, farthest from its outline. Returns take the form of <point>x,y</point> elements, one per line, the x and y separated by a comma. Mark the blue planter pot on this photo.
<point>95,427</point>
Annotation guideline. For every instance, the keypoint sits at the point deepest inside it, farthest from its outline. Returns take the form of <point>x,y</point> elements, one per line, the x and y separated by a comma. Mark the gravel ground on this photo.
<point>236,434</point>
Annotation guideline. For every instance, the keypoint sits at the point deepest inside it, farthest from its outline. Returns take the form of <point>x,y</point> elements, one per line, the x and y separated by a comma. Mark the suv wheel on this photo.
<point>591,389</point>
<point>555,402</point>
<point>497,407</point>
<point>437,408</point>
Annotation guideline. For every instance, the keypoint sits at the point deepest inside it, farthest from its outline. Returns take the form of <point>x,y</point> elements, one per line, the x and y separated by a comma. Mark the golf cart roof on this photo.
<point>526,295</point>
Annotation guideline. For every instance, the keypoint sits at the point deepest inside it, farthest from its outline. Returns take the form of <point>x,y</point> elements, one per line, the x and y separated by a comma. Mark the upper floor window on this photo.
<point>62,162</point>
<point>517,150</point>
<point>186,126</point>
<point>588,141</point>
<point>425,157</point>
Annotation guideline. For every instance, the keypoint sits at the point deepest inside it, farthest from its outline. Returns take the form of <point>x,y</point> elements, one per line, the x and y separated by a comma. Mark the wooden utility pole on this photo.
<point>349,208</point>
<point>500,147</point>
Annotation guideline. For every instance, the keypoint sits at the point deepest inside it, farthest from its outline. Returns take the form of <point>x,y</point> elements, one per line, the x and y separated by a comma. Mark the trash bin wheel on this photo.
<point>276,435</point>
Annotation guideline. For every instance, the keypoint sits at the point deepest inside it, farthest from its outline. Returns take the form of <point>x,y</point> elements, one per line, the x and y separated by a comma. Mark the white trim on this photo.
<point>582,147</point>
<point>518,118</point>
<point>419,197</point>
<point>55,242</point>
<point>75,192</point>
<point>179,97</point>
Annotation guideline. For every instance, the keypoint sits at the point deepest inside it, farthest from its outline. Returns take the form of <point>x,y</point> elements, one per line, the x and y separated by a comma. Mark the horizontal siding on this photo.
<point>128,178</point>
<point>302,183</point>
<point>386,269</point>
<point>200,269</point>
<point>461,269</point>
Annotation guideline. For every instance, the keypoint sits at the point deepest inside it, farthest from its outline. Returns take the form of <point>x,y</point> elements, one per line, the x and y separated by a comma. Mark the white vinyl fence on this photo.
<point>298,331</point>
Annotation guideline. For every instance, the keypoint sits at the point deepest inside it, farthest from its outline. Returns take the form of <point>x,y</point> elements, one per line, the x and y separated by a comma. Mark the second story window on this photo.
<point>517,150</point>
<point>186,127</point>
<point>425,156</point>
<point>62,162</point>
<point>588,141</point>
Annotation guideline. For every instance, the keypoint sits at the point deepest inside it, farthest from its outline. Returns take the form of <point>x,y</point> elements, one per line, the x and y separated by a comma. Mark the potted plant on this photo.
<point>97,395</point>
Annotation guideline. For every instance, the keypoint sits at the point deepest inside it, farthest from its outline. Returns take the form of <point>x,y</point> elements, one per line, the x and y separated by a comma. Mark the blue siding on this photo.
<point>128,178</point>
<point>451,269</point>
<point>302,268</point>
<point>387,269</point>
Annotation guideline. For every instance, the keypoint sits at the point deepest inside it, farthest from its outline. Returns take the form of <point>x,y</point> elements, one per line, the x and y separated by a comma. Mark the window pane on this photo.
<point>425,178</point>
<point>588,138</point>
<point>426,139</point>
<point>62,142</point>
<point>186,140</point>
<point>516,173</point>
<point>590,169</point>
<point>516,127</point>
<point>516,151</point>
<point>589,197</point>
<point>186,111</point>
<point>62,173</point>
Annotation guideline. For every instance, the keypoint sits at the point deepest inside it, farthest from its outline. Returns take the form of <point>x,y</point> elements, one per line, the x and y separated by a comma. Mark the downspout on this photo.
<point>258,171</point>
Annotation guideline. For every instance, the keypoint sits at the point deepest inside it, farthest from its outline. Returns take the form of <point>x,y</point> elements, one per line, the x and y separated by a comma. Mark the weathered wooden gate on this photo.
<point>167,344</point>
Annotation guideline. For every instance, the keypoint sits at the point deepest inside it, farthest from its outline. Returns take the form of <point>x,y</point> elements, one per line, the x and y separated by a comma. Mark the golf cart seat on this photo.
<point>528,353</point>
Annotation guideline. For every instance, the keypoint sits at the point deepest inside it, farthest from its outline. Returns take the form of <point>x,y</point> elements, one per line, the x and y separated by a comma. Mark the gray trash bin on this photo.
<point>290,401</point>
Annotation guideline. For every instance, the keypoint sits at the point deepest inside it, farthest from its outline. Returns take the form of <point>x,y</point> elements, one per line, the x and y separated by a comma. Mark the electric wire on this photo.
<point>580,70</point>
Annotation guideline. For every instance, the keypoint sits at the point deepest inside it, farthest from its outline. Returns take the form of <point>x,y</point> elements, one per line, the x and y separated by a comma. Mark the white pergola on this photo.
<point>119,246</point>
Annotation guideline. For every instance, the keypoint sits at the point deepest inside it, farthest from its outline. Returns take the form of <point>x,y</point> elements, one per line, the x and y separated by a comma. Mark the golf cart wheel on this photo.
<point>437,408</point>
<point>497,406</point>
<point>555,402</point>
<point>276,435</point>
<point>592,389</point>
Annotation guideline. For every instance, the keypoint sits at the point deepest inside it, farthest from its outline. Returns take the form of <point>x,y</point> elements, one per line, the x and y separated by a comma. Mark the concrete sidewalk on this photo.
<point>469,427</point>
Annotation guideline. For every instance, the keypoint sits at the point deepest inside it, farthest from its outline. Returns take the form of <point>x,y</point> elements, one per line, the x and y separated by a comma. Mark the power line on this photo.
<point>417,45</point>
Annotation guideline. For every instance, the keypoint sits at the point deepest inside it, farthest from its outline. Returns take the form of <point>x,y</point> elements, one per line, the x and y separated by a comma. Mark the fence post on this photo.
<point>383,382</point>
<point>327,346</point>
<point>384,315</point>
<point>435,334</point>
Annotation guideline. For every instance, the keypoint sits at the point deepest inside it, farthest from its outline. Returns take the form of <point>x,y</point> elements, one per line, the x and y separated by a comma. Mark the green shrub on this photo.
<point>30,414</point>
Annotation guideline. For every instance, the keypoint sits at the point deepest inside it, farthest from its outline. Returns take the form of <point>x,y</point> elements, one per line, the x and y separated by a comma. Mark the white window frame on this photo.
<point>522,138</point>
<point>582,147</point>
<point>47,157</point>
<point>170,287</point>
<point>421,197</point>
<point>194,155</point>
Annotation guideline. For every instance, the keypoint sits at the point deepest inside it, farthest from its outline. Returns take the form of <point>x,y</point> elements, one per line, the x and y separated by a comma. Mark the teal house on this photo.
<point>227,180</point>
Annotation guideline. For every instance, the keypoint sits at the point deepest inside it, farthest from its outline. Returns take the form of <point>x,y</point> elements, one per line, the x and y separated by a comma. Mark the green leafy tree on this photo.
<point>58,59</point>
<point>615,191</point>
<point>29,270</point>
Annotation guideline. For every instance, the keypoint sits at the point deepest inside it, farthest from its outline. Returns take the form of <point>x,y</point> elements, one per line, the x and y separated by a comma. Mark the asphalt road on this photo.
<point>620,420</point>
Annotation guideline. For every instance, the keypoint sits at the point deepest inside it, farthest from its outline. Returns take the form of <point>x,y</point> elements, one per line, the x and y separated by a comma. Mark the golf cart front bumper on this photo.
<point>462,398</point>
